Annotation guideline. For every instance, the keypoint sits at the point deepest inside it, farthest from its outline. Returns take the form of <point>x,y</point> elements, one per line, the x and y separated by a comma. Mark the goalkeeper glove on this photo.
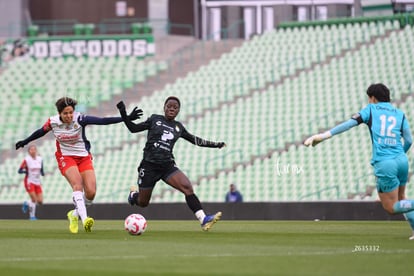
<point>317,138</point>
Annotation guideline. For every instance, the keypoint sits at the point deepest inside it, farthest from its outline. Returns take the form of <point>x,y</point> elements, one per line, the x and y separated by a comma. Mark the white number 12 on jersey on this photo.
<point>384,120</point>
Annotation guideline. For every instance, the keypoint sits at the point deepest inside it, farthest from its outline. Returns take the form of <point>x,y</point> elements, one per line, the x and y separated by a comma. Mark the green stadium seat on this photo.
<point>232,94</point>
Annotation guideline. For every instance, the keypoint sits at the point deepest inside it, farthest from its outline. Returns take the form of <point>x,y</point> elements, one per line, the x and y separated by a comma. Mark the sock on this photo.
<point>403,206</point>
<point>200,215</point>
<point>79,204</point>
<point>410,218</point>
<point>194,204</point>
<point>75,212</point>
<point>32,208</point>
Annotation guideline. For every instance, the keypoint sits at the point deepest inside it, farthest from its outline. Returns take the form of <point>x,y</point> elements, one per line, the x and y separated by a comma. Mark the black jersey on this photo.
<point>161,138</point>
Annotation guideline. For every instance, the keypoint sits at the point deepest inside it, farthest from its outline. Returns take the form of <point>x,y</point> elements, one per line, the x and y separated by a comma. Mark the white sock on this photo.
<point>79,204</point>
<point>32,208</point>
<point>200,215</point>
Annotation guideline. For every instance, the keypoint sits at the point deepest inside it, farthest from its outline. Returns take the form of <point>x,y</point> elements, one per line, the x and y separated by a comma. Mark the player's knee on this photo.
<point>90,196</point>
<point>143,203</point>
<point>187,189</point>
<point>389,209</point>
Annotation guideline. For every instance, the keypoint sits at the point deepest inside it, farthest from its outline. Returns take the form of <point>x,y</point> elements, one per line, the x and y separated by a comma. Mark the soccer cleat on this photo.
<point>88,223</point>
<point>73,222</point>
<point>25,207</point>
<point>209,221</point>
<point>133,195</point>
<point>33,218</point>
<point>411,238</point>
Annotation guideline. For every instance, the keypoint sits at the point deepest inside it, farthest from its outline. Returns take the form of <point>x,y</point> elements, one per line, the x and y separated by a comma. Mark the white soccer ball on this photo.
<point>135,224</point>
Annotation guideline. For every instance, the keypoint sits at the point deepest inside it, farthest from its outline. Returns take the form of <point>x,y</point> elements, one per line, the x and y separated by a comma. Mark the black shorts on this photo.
<point>150,173</point>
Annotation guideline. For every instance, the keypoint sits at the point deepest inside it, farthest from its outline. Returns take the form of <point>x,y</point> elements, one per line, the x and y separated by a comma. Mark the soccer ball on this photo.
<point>135,224</point>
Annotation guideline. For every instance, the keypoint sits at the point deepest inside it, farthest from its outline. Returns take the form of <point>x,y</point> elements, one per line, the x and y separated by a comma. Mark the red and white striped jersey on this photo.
<point>70,138</point>
<point>33,167</point>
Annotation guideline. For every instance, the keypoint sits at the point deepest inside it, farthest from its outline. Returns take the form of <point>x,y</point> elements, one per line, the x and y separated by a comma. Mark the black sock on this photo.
<point>193,202</point>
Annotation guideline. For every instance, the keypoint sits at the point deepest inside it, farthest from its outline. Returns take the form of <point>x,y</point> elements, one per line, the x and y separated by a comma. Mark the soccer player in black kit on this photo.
<point>158,162</point>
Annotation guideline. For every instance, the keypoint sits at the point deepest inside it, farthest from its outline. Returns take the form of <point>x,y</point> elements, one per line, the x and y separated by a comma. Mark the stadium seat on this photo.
<point>244,105</point>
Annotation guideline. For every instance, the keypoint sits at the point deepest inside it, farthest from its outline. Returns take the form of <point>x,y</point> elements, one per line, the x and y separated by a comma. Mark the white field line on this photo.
<point>98,258</point>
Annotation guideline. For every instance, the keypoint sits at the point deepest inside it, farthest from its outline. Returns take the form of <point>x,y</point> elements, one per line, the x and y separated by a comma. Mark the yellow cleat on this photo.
<point>210,220</point>
<point>73,222</point>
<point>88,223</point>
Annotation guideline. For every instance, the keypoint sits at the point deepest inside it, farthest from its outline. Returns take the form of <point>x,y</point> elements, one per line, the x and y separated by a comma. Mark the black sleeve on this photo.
<point>92,120</point>
<point>42,172</point>
<point>133,127</point>
<point>21,171</point>
<point>35,135</point>
<point>199,141</point>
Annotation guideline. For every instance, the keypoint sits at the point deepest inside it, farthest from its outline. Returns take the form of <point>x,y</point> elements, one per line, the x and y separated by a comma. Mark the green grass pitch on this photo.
<point>45,247</point>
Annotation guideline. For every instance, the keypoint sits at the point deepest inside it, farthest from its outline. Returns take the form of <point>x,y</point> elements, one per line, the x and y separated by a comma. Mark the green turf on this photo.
<point>45,247</point>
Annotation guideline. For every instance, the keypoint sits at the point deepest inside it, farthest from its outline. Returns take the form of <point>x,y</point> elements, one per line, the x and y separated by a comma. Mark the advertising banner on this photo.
<point>87,46</point>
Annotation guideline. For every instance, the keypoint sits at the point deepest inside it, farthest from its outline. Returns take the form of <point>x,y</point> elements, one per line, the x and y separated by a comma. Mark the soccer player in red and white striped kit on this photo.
<point>73,154</point>
<point>32,167</point>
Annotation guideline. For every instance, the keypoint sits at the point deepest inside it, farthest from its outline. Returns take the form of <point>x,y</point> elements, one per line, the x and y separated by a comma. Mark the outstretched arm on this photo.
<point>127,120</point>
<point>35,135</point>
<point>317,138</point>
<point>92,120</point>
<point>201,142</point>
